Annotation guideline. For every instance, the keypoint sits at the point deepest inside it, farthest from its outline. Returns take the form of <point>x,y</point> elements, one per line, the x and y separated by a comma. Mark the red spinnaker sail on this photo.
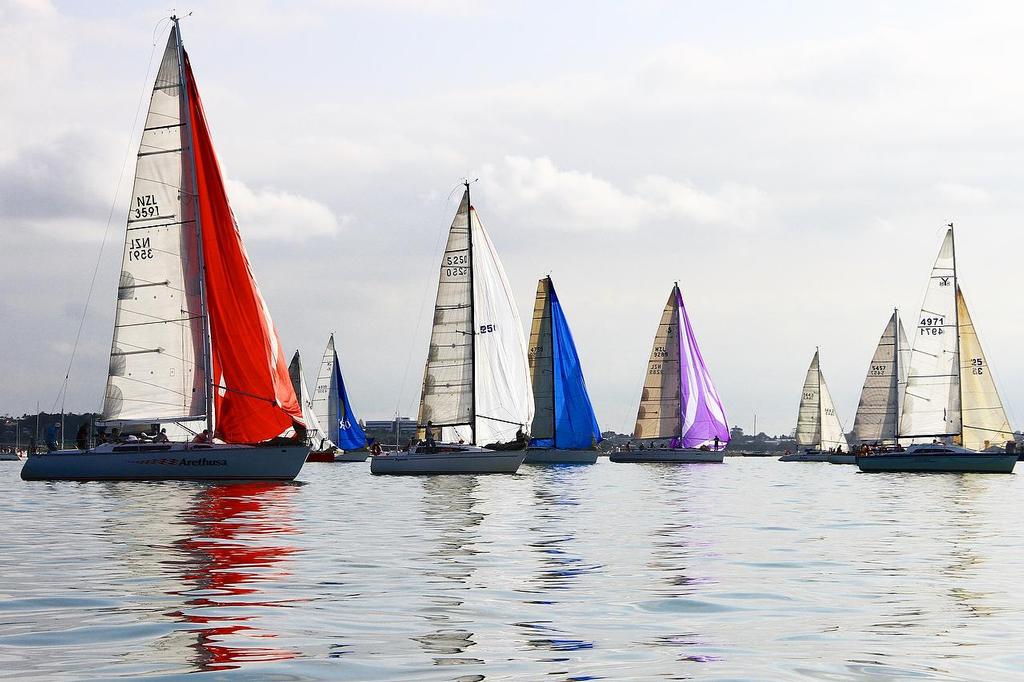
<point>253,396</point>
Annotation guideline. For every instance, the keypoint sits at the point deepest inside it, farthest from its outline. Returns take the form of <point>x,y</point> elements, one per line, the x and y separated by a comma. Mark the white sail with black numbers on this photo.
<point>985,423</point>
<point>878,412</point>
<point>476,383</point>
<point>156,358</point>
<point>447,396</point>
<point>931,406</point>
<point>808,420</point>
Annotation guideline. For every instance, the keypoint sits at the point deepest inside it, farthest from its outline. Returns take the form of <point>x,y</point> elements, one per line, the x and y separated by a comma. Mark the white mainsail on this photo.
<point>326,403</point>
<point>817,424</point>
<point>660,413</point>
<point>832,435</point>
<point>540,355</point>
<point>878,412</point>
<point>931,406</point>
<point>984,419</point>
<point>476,383</point>
<point>156,357</point>
<point>314,433</point>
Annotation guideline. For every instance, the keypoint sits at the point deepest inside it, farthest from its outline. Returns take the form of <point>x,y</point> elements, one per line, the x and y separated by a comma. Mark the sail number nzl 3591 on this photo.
<point>139,248</point>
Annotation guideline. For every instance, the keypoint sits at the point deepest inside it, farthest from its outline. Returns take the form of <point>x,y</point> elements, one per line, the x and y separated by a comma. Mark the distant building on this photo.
<point>402,430</point>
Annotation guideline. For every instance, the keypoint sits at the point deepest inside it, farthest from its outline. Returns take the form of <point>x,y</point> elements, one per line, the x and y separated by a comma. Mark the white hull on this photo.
<point>168,461</point>
<point>9,457</point>
<point>447,459</point>
<point>684,455</point>
<point>557,456</point>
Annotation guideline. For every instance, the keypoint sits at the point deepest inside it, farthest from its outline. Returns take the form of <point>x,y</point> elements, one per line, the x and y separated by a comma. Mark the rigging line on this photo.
<point>423,299</point>
<point>62,393</point>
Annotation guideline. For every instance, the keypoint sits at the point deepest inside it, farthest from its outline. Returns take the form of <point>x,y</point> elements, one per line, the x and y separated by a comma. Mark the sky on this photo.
<point>791,164</point>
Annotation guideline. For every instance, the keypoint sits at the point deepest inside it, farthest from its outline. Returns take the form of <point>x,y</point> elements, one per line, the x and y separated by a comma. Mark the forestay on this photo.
<point>156,358</point>
<point>878,412</point>
<point>331,404</point>
<point>931,406</point>
<point>984,420</point>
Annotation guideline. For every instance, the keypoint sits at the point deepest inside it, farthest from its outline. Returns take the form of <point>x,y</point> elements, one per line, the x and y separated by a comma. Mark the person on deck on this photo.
<point>51,437</point>
<point>161,437</point>
<point>82,437</point>
<point>430,434</point>
<point>203,437</point>
<point>717,443</point>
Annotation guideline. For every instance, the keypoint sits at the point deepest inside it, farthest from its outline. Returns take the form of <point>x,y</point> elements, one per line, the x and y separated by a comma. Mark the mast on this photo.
<point>956,322</point>
<point>189,153</point>
<point>896,369</point>
<point>821,439</point>
<point>472,317</point>
<point>551,334</point>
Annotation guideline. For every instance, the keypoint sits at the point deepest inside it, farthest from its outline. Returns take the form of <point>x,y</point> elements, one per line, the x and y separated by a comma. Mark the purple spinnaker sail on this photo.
<point>702,414</point>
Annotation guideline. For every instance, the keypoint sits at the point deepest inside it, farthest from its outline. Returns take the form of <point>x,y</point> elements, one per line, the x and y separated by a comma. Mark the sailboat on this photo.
<point>679,401</point>
<point>818,429</point>
<point>476,382</point>
<point>344,439</point>
<point>878,413</point>
<point>193,342</point>
<point>951,408</point>
<point>564,429</point>
<point>318,442</point>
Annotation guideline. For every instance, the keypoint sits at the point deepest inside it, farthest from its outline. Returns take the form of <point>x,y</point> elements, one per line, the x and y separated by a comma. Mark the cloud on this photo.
<point>269,214</point>
<point>574,201</point>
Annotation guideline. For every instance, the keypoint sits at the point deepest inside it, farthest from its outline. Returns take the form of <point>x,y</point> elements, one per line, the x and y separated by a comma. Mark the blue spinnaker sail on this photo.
<point>575,423</point>
<point>350,434</point>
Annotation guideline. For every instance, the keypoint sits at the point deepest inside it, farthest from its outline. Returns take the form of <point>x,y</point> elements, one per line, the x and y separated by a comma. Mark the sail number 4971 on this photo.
<point>932,326</point>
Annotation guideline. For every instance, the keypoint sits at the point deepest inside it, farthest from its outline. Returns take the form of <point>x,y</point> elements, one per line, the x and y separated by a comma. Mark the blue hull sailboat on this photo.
<point>343,438</point>
<point>564,429</point>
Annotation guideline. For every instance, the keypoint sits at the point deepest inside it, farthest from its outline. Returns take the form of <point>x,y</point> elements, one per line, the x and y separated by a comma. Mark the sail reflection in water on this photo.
<point>233,556</point>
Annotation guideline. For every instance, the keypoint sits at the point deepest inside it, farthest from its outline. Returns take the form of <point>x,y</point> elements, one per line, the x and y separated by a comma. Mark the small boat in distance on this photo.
<point>193,341</point>
<point>818,429</point>
<point>320,446</point>
<point>679,400</point>
<point>950,393</point>
<point>476,382</point>
<point>564,429</point>
<point>877,423</point>
<point>344,439</point>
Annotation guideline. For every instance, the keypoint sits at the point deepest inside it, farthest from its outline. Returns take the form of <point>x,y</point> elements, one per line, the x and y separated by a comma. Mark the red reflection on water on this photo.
<point>227,554</point>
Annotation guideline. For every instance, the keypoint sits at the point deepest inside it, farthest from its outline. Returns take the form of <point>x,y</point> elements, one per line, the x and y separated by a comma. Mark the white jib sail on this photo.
<point>808,420</point>
<point>326,403</point>
<point>832,434</point>
<point>156,357</point>
<point>878,412</point>
<point>984,419</point>
<point>314,433</point>
<point>504,395</point>
<point>931,405</point>
<point>541,370</point>
<point>660,414</point>
<point>447,395</point>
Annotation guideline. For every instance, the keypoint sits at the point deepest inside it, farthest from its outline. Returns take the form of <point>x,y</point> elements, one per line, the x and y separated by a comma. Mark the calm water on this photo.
<point>751,569</point>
